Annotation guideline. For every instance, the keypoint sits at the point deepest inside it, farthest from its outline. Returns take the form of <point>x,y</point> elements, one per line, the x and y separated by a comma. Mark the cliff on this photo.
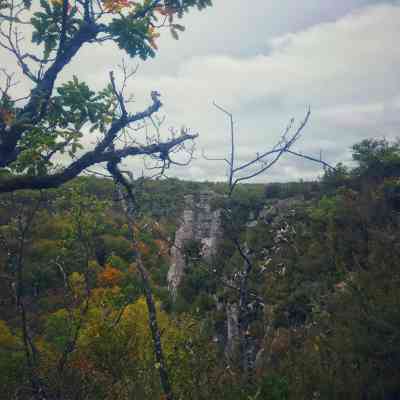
<point>199,224</point>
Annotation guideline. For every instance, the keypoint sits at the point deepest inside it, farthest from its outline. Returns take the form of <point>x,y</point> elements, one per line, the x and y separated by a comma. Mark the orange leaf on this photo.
<point>110,276</point>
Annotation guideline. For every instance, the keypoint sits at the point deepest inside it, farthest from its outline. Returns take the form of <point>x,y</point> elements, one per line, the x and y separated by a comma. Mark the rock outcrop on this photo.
<point>232,324</point>
<point>199,223</point>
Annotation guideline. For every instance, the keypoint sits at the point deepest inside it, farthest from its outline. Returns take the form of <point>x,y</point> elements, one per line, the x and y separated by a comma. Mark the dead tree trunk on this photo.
<point>155,331</point>
<point>130,208</point>
<point>242,172</point>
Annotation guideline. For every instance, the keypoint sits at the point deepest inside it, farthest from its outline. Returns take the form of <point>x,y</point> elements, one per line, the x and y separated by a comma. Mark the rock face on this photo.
<point>232,323</point>
<point>199,223</point>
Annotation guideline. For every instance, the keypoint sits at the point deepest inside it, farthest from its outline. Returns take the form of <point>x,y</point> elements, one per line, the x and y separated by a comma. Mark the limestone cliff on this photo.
<point>198,223</point>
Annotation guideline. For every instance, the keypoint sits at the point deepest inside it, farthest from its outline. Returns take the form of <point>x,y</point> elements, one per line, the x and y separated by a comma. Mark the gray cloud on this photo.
<point>346,69</point>
<point>266,63</point>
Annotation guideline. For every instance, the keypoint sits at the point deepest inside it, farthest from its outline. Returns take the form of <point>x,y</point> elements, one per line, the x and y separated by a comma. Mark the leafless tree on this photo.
<point>244,172</point>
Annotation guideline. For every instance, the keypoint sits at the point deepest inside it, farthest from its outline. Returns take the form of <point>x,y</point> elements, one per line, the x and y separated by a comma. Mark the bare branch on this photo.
<point>203,153</point>
<point>275,149</point>
<point>118,95</point>
<point>307,157</point>
<point>232,155</point>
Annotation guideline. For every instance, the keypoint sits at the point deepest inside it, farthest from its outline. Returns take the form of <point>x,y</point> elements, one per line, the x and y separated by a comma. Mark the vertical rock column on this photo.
<point>232,339</point>
<point>198,223</point>
<point>184,233</point>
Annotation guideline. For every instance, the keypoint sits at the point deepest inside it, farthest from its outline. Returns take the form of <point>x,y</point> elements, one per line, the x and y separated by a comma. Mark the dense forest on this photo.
<point>118,283</point>
<point>323,310</point>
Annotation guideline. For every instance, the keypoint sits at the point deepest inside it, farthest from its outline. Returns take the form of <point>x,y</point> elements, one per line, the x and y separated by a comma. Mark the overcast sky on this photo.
<point>266,61</point>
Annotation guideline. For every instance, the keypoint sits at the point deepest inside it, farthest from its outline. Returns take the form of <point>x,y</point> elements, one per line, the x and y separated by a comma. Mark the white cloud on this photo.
<point>347,70</point>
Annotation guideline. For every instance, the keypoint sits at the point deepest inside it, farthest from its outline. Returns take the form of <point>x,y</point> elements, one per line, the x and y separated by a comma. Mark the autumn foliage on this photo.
<point>328,329</point>
<point>109,276</point>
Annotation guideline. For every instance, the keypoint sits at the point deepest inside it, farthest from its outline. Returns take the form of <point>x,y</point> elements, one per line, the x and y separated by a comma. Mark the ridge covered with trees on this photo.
<point>328,325</point>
